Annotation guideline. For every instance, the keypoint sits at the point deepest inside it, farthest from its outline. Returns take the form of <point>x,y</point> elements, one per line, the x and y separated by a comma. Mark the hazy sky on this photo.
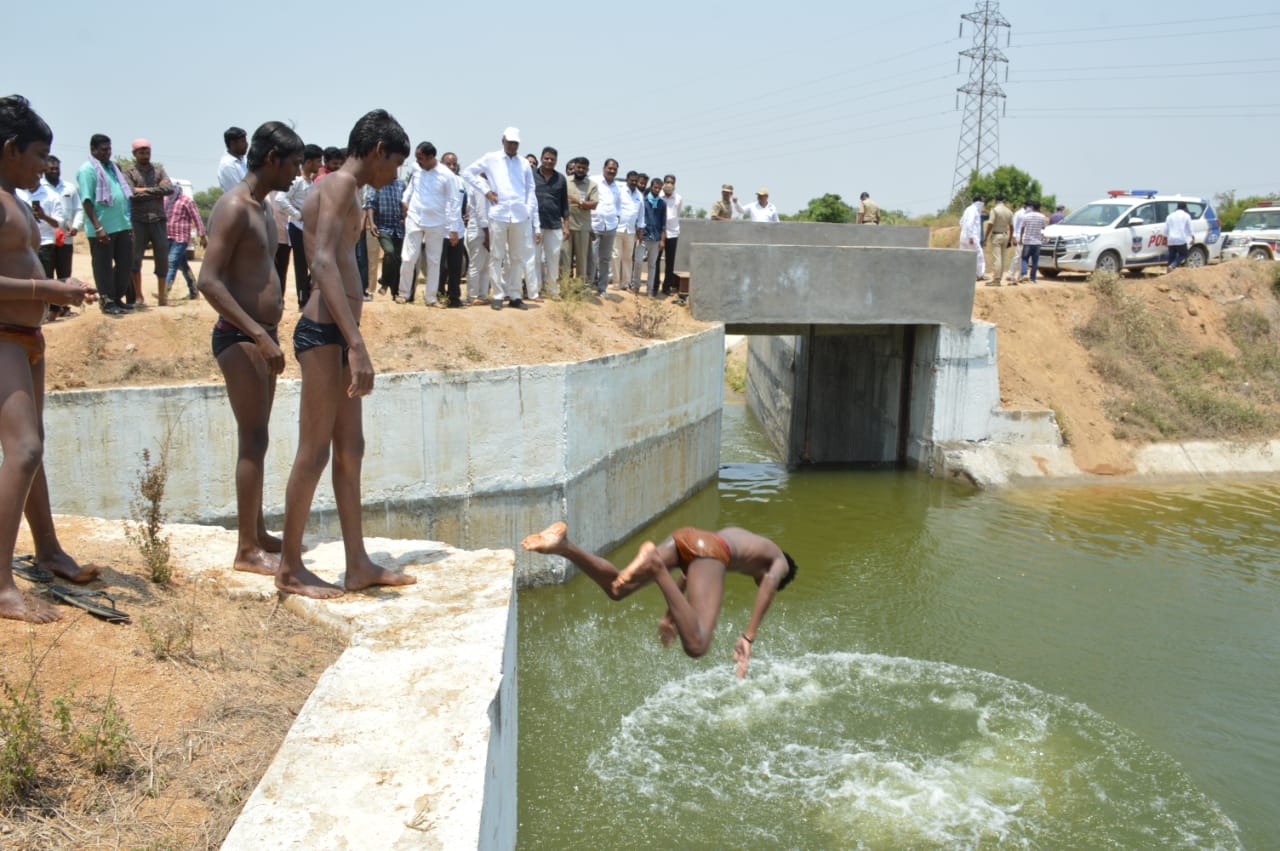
<point>802,97</point>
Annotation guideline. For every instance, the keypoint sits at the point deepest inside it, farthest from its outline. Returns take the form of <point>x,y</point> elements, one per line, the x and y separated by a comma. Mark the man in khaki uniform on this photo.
<point>722,210</point>
<point>584,195</point>
<point>999,237</point>
<point>868,210</point>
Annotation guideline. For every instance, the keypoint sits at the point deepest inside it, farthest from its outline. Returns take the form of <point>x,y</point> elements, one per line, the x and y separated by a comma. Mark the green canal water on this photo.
<point>1043,668</point>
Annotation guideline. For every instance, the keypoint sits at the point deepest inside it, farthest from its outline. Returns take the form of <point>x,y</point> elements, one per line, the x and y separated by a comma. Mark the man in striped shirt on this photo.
<point>1031,237</point>
<point>183,218</point>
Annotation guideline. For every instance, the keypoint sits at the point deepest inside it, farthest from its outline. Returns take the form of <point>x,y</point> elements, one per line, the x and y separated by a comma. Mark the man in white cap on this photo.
<point>506,181</point>
<point>761,210</point>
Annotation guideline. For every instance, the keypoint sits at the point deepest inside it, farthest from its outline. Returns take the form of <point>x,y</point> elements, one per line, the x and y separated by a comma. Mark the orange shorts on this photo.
<point>31,340</point>
<point>694,543</point>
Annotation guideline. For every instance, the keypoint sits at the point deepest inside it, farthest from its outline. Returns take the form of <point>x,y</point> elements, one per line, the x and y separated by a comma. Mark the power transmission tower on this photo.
<point>979,148</point>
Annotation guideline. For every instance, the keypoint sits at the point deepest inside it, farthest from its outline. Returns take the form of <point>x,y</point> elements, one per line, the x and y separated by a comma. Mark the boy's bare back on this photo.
<point>331,218</point>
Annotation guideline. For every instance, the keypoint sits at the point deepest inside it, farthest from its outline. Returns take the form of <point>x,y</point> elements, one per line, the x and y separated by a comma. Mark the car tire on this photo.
<point>1197,257</point>
<point>1109,261</point>
<point>1259,253</point>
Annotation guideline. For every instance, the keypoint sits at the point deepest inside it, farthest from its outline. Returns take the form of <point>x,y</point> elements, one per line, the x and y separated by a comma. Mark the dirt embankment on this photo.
<point>1143,358</point>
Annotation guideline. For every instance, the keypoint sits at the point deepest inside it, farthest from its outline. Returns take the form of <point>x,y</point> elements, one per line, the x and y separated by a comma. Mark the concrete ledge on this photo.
<point>842,285</point>
<point>696,232</point>
<point>993,464</point>
<point>409,739</point>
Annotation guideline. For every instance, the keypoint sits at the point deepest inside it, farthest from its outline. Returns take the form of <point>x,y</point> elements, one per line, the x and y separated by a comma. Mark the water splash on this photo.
<point>860,750</point>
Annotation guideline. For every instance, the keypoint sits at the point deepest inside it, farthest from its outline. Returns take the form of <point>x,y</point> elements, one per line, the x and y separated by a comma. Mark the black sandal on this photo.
<point>87,599</point>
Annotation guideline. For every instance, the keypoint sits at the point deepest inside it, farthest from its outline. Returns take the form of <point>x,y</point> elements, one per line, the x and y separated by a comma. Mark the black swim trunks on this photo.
<point>308,334</point>
<point>226,335</point>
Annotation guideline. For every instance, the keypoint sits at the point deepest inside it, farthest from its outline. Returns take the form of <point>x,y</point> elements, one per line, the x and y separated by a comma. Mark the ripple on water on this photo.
<point>862,750</point>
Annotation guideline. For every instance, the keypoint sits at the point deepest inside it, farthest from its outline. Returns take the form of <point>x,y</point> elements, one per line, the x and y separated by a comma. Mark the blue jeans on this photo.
<point>178,262</point>
<point>1031,258</point>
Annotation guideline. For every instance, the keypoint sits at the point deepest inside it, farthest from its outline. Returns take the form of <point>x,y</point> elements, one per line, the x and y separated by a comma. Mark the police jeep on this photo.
<point>1256,235</point>
<point>1125,231</point>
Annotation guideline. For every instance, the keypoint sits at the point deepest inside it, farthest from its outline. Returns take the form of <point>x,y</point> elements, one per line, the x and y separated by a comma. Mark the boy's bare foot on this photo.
<point>667,629</point>
<point>642,568</point>
<point>365,573</point>
<point>67,567</point>
<point>257,560</point>
<point>304,583</point>
<point>269,543</point>
<point>17,606</point>
<point>549,540</point>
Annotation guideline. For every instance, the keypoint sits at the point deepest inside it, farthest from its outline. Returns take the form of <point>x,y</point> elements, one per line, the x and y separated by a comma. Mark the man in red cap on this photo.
<point>150,187</point>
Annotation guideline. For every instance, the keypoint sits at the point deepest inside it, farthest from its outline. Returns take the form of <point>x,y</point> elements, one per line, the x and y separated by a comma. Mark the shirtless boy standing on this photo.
<point>693,600</point>
<point>336,369</point>
<point>25,294</point>
<point>238,277</point>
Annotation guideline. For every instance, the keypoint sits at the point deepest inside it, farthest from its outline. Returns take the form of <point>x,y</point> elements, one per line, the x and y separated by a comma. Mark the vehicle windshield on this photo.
<point>1095,215</point>
<point>1259,220</point>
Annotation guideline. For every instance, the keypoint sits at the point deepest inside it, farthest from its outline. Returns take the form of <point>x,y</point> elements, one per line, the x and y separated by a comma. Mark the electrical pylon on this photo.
<point>979,148</point>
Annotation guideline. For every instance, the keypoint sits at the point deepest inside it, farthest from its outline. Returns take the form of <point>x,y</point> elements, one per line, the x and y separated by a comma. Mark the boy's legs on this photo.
<point>554,540</point>
<point>22,444</point>
<point>322,391</point>
<point>696,607</point>
<point>251,391</point>
<point>49,552</point>
<point>348,456</point>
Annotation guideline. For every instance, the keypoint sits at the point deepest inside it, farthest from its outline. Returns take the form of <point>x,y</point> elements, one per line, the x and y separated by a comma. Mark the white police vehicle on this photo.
<point>1256,236</point>
<point>1124,231</point>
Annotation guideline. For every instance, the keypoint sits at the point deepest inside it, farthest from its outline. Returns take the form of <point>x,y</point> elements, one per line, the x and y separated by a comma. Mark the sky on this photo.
<point>802,98</point>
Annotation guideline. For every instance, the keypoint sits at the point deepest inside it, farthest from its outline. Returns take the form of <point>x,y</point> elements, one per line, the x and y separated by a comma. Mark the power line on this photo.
<point>1163,37</point>
<point>1159,24</point>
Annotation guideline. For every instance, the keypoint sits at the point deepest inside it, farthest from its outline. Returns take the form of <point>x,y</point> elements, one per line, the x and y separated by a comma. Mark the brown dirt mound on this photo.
<point>1043,365</point>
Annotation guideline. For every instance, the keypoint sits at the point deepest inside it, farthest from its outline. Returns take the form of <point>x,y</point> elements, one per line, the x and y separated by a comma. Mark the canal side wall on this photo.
<point>836,395</point>
<point>477,458</point>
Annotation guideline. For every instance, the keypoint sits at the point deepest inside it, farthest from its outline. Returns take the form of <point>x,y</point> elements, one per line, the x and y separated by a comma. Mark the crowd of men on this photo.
<point>513,225</point>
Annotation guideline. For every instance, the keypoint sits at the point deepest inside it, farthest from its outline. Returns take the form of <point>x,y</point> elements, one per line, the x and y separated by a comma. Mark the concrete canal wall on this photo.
<point>477,458</point>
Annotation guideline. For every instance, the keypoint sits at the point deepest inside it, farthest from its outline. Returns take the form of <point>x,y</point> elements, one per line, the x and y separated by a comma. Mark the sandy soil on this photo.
<point>207,686</point>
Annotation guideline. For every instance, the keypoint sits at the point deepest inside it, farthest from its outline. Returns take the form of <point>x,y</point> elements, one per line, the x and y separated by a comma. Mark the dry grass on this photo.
<point>1172,388</point>
<point>94,778</point>
<point>648,318</point>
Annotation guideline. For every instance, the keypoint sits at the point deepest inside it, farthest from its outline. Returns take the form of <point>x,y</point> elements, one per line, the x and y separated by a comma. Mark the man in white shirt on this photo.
<point>71,216</point>
<point>761,210</point>
<point>971,233</point>
<point>433,212</point>
<point>232,167</point>
<point>1178,235</point>
<point>630,222</point>
<point>675,205</point>
<point>604,225</point>
<point>506,180</point>
<point>46,207</point>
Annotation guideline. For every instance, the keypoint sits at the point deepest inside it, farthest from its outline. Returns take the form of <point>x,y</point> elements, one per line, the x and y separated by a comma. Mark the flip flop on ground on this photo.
<point>83,598</point>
